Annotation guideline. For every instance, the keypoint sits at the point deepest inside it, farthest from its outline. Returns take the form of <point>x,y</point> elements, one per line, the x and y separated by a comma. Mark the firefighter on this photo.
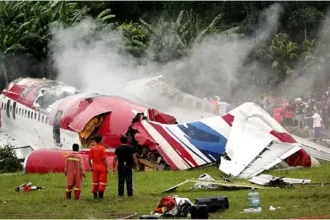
<point>99,168</point>
<point>75,171</point>
<point>126,155</point>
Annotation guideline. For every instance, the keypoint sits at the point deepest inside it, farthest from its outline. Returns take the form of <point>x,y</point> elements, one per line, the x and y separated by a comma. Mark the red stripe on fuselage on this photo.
<point>167,158</point>
<point>174,144</point>
<point>229,119</point>
<point>18,98</point>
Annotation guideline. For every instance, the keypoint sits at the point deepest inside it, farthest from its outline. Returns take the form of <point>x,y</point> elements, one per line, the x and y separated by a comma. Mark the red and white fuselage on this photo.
<point>30,109</point>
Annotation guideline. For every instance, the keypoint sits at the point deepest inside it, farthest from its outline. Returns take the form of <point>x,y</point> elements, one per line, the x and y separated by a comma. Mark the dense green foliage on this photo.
<point>8,160</point>
<point>167,31</point>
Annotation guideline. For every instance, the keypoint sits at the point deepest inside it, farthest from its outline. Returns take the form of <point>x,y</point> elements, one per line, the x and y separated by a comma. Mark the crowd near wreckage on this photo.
<point>42,118</point>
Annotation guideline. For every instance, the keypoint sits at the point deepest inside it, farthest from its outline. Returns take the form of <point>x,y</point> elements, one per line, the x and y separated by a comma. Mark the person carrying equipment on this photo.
<point>98,167</point>
<point>74,171</point>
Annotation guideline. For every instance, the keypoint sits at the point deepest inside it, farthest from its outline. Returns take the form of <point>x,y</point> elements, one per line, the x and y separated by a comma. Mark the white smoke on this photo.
<point>92,60</point>
<point>216,62</point>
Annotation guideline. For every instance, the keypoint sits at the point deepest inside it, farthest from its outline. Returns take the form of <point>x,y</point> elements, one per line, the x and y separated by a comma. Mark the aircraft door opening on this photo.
<point>56,128</point>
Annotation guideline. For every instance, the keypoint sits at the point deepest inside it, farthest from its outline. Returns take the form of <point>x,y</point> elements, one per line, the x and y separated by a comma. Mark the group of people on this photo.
<point>303,113</point>
<point>75,171</point>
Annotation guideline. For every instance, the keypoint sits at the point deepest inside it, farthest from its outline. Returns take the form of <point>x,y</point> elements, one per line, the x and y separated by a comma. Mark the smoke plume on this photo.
<point>93,61</point>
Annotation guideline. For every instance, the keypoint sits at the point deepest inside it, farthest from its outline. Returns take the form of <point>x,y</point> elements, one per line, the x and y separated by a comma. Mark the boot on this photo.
<point>95,195</point>
<point>68,195</point>
<point>101,195</point>
<point>77,194</point>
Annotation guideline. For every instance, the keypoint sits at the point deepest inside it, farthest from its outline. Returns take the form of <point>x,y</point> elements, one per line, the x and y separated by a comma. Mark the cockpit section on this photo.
<point>48,95</point>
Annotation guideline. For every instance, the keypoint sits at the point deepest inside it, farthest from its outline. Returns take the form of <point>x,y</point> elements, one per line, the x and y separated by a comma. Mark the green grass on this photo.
<point>295,202</point>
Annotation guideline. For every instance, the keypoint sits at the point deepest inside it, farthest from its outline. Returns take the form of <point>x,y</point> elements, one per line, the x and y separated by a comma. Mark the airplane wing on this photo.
<point>220,184</point>
<point>254,164</point>
<point>265,179</point>
<point>316,150</point>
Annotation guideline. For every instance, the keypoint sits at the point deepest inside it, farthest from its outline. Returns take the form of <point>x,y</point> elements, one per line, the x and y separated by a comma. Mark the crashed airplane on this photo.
<point>43,118</point>
<point>246,140</point>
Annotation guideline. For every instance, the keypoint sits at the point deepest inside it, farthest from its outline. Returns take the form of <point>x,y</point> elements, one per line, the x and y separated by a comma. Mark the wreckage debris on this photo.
<point>269,180</point>
<point>27,187</point>
<point>205,181</point>
<point>175,206</point>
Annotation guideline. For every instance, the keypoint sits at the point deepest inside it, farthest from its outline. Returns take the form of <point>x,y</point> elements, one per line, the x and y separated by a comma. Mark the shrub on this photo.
<point>8,160</point>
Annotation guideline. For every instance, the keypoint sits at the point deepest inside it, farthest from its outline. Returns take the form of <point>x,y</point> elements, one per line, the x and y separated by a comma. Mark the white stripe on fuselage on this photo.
<point>31,128</point>
<point>165,146</point>
<point>181,137</point>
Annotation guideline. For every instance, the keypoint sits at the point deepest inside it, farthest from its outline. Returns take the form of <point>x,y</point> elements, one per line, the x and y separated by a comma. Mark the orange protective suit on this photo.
<point>100,177</point>
<point>74,170</point>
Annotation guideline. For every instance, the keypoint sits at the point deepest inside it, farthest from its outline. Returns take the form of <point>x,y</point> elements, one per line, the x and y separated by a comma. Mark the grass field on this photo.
<point>299,201</point>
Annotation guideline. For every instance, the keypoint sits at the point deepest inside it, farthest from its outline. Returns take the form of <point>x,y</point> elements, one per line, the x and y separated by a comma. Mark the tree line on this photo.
<point>25,37</point>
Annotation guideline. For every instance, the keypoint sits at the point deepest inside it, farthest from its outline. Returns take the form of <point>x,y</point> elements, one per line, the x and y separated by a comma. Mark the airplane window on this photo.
<point>10,108</point>
<point>19,111</point>
<point>28,114</point>
<point>46,120</point>
<point>25,113</point>
<point>42,119</point>
<point>39,116</point>
<point>5,106</point>
<point>35,116</point>
<point>1,105</point>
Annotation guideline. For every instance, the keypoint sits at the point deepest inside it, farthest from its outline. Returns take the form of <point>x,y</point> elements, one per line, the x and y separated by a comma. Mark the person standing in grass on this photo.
<point>74,171</point>
<point>99,167</point>
<point>317,125</point>
<point>126,155</point>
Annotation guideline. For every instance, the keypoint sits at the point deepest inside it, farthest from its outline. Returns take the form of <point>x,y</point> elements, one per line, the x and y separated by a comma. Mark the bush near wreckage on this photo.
<point>8,160</point>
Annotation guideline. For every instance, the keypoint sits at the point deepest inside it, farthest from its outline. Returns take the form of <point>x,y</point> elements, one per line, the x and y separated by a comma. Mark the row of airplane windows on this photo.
<point>25,113</point>
<point>199,105</point>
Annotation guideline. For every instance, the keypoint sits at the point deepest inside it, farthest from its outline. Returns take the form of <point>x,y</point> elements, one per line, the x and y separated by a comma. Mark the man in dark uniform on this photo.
<point>126,155</point>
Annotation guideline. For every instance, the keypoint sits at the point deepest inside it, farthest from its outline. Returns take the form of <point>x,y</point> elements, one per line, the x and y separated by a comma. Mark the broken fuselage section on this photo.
<point>246,141</point>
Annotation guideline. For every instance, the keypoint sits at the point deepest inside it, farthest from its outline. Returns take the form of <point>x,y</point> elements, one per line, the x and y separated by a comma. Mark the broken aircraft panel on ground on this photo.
<point>269,180</point>
<point>247,140</point>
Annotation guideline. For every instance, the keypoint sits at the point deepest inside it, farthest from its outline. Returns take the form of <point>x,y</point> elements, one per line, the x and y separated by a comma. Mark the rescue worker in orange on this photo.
<point>74,171</point>
<point>99,168</point>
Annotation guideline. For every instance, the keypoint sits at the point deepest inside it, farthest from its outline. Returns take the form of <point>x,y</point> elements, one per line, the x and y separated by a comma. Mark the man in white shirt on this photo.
<point>317,125</point>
